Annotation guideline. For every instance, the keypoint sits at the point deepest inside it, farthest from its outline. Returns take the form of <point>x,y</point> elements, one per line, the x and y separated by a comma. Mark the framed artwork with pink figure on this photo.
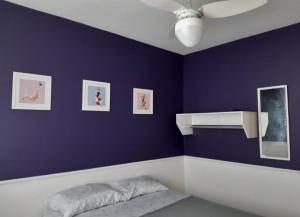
<point>95,96</point>
<point>31,91</point>
<point>142,101</point>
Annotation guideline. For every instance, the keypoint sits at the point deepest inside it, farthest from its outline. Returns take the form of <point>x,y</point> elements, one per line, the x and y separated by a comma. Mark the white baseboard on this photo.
<point>25,197</point>
<point>265,191</point>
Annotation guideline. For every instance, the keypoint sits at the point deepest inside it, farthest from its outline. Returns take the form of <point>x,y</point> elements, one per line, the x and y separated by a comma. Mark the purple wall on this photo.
<point>66,138</point>
<point>225,78</point>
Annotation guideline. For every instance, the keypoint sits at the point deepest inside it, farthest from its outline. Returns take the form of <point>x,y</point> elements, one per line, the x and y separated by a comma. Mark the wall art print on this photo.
<point>31,91</point>
<point>142,101</point>
<point>95,96</point>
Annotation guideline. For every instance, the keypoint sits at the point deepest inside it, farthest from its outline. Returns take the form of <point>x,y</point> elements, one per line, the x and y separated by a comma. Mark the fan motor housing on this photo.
<point>188,13</point>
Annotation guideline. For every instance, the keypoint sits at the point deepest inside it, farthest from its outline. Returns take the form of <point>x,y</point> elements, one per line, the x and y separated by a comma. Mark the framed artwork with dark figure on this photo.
<point>95,96</point>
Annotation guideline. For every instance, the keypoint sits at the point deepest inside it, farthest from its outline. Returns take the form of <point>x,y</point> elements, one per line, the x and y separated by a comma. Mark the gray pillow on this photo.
<point>82,198</point>
<point>137,186</point>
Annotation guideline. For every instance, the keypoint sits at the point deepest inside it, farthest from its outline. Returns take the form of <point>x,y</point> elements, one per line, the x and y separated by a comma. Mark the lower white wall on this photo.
<point>24,197</point>
<point>265,191</point>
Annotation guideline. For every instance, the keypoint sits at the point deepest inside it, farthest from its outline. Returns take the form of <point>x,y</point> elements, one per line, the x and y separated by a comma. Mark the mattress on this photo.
<point>195,207</point>
<point>161,204</point>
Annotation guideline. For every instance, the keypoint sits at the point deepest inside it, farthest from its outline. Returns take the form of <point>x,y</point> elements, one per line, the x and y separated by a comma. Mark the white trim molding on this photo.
<point>25,197</point>
<point>265,191</point>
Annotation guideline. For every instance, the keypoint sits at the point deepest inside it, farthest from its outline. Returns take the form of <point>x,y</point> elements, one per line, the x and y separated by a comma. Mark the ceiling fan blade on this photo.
<point>172,32</point>
<point>229,8</point>
<point>166,5</point>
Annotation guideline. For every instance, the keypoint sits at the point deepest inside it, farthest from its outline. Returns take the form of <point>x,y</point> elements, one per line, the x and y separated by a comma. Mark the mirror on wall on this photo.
<point>273,122</point>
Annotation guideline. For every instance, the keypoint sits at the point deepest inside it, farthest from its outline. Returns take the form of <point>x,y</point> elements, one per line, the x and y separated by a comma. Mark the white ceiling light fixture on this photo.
<point>189,26</point>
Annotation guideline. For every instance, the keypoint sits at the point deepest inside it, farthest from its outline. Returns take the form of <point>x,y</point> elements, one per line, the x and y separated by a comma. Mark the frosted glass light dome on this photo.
<point>189,31</point>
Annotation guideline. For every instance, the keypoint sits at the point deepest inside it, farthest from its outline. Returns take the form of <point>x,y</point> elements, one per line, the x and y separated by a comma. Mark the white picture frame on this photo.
<point>93,98</point>
<point>31,91</point>
<point>142,101</point>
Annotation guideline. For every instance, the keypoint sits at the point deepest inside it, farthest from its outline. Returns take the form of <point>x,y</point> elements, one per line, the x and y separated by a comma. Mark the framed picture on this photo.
<point>142,101</point>
<point>95,96</point>
<point>31,91</point>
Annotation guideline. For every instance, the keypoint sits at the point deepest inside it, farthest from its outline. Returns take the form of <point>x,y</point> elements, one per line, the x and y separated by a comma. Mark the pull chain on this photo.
<point>190,3</point>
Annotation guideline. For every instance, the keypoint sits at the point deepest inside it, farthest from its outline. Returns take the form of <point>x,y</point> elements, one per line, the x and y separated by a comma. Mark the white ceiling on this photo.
<point>132,19</point>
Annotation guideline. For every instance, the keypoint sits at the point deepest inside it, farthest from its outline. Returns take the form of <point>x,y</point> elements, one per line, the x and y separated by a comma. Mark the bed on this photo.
<point>162,203</point>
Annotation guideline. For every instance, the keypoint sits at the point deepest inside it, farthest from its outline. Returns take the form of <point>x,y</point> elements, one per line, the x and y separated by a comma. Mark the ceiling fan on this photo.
<point>189,25</point>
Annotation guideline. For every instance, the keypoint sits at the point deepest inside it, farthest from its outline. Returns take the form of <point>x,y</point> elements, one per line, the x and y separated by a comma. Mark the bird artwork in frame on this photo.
<point>31,91</point>
<point>142,101</point>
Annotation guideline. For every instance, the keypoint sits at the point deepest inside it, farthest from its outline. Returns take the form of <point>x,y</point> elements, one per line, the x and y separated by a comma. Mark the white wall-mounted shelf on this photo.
<point>223,120</point>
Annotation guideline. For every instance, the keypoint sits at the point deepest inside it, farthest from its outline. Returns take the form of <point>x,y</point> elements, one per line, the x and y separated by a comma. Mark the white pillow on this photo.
<point>137,186</point>
<point>83,198</point>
